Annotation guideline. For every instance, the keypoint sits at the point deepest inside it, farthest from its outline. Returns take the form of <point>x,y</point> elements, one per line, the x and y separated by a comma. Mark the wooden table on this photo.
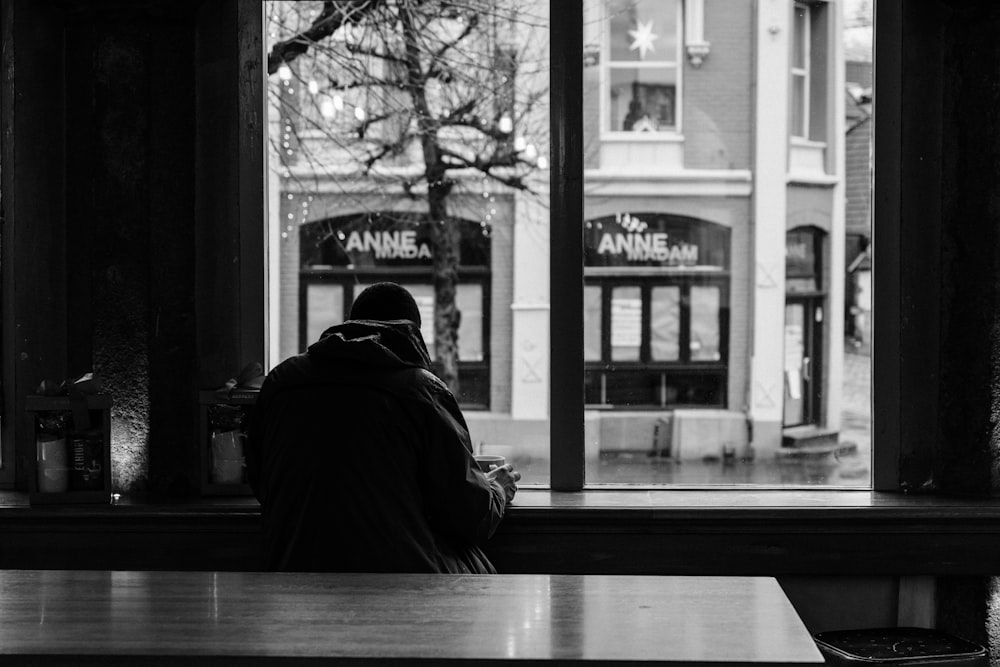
<point>102,617</point>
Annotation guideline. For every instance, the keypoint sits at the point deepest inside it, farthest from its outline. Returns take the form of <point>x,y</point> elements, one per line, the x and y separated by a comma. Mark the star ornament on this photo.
<point>642,38</point>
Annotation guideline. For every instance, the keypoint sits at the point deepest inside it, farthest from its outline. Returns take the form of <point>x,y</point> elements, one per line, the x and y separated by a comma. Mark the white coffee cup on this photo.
<point>488,462</point>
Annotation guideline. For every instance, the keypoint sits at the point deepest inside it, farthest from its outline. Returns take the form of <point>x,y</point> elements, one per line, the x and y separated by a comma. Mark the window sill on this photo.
<point>812,532</point>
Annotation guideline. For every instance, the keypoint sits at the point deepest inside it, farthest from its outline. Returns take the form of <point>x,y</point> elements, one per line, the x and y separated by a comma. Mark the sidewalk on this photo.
<point>852,470</point>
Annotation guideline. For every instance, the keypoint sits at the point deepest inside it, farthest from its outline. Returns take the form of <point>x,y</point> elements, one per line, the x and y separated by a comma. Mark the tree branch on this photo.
<point>335,14</point>
<point>434,68</point>
<point>486,167</point>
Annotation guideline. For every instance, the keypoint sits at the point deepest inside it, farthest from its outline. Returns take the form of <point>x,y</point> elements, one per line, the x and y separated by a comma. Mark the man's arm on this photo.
<point>463,501</point>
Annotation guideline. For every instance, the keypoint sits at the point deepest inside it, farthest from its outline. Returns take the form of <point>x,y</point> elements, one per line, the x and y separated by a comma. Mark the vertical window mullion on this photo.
<point>646,323</point>
<point>685,337</point>
<point>566,433</point>
<point>606,324</point>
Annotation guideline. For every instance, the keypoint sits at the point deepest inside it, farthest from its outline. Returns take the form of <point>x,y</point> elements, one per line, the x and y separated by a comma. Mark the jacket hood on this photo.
<point>383,344</point>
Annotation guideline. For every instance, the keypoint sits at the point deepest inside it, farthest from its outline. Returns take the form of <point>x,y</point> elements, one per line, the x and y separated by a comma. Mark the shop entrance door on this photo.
<point>803,355</point>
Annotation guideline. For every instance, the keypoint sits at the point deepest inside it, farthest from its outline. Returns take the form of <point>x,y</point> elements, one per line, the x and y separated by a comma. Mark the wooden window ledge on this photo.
<point>594,531</point>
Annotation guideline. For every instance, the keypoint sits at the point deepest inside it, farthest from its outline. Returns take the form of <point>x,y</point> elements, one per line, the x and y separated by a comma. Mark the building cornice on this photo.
<point>686,183</point>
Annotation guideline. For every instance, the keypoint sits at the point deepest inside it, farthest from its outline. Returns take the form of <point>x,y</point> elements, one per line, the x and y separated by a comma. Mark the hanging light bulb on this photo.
<point>327,108</point>
<point>285,73</point>
<point>313,87</point>
<point>519,144</point>
<point>506,125</point>
<point>359,113</point>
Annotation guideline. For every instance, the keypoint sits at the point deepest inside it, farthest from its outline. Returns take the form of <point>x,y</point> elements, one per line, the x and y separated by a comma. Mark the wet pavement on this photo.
<point>848,465</point>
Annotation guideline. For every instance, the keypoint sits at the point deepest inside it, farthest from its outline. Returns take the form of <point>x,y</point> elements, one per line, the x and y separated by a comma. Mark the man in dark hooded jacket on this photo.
<point>361,458</point>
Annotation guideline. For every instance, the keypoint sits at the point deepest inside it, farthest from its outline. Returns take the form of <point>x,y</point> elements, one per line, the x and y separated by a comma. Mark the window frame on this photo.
<point>566,251</point>
<point>803,72</point>
<point>646,283</point>
<point>607,134</point>
<point>567,437</point>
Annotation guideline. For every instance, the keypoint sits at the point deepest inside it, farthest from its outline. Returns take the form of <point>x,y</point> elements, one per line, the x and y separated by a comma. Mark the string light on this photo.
<point>327,108</point>
<point>359,113</point>
<point>506,125</point>
<point>338,102</point>
<point>285,73</point>
<point>543,162</point>
<point>519,143</point>
<point>531,152</point>
<point>313,87</point>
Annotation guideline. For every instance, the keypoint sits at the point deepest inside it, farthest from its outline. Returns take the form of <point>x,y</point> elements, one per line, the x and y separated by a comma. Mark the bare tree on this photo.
<point>432,85</point>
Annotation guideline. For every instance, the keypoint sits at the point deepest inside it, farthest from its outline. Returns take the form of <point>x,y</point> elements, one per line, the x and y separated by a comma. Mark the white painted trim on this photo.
<point>694,32</point>
<point>644,137</point>
<point>806,143</point>
<point>530,306</point>
<point>687,175</point>
<point>691,183</point>
<point>813,179</point>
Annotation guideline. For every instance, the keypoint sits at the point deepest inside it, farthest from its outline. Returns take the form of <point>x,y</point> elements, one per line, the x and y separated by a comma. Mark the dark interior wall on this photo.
<point>34,267</point>
<point>948,246</point>
<point>970,250</point>
<point>102,222</point>
<point>130,122</point>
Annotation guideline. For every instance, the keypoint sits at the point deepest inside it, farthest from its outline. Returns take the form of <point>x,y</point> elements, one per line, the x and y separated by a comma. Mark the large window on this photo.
<point>801,54</point>
<point>659,309</point>
<point>643,71</point>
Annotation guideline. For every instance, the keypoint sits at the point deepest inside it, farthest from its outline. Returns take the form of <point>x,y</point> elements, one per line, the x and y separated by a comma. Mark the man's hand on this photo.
<point>507,477</point>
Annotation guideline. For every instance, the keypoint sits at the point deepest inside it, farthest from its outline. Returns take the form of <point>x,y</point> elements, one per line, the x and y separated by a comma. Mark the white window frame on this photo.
<point>677,63</point>
<point>801,72</point>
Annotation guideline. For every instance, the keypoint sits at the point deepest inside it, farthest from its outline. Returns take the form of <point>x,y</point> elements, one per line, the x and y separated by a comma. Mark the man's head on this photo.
<point>385,301</point>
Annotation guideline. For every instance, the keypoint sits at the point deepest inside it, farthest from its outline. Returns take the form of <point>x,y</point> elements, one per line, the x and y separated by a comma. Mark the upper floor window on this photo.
<point>801,56</point>
<point>642,79</point>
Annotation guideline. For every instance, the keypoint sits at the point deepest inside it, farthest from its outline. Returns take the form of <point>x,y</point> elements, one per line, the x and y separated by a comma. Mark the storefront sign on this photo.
<point>388,245</point>
<point>385,239</point>
<point>654,239</point>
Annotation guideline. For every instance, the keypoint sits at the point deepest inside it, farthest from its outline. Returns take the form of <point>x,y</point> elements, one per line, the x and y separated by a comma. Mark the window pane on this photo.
<point>325,309</point>
<point>705,323</point>
<point>470,330</point>
<point>798,94</point>
<point>643,30</point>
<point>800,44</point>
<point>665,324</point>
<point>626,323</point>
<point>591,323</point>
<point>444,192</point>
<point>643,100</point>
<point>705,223</point>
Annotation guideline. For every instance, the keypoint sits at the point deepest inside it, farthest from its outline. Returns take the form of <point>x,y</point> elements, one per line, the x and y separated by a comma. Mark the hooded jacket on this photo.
<point>362,462</point>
